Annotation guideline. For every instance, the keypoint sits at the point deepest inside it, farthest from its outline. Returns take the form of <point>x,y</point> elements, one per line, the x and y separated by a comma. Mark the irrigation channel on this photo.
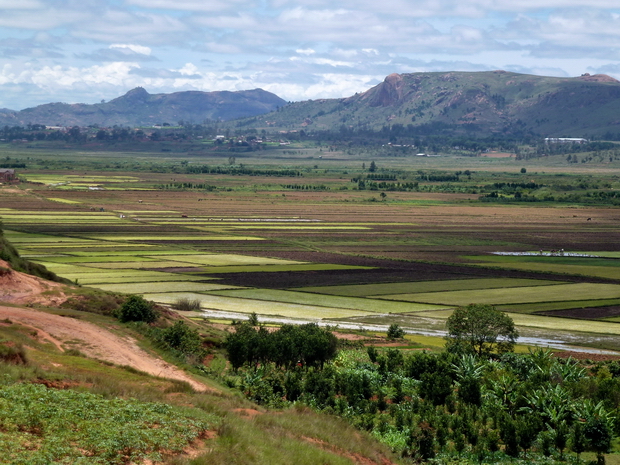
<point>563,341</point>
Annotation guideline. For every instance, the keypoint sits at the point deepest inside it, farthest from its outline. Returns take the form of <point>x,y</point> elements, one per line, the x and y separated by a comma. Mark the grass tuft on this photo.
<point>187,305</point>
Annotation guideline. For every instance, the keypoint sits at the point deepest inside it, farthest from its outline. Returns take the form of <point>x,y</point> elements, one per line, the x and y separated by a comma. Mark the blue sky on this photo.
<point>85,51</point>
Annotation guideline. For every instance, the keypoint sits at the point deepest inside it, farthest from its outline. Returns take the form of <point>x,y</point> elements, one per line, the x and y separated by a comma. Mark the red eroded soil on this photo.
<point>21,288</point>
<point>97,342</point>
<point>92,340</point>
<point>586,356</point>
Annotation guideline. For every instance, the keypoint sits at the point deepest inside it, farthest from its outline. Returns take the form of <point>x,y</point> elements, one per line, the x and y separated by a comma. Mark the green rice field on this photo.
<point>305,298</point>
<point>229,260</point>
<point>365,290</point>
<point>141,264</point>
<point>259,307</point>
<point>162,286</point>
<point>101,259</point>
<point>96,280</point>
<point>549,306</point>
<point>560,292</point>
<point>596,267</point>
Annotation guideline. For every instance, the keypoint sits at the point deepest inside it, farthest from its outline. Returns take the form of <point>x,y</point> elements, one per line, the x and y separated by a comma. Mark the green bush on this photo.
<point>183,338</point>
<point>395,332</point>
<point>13,354</point>
<point>136,308</point>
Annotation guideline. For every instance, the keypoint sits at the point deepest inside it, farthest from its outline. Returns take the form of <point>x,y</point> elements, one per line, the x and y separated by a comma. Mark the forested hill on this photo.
<point>139,108</point>
<point>459,103</point>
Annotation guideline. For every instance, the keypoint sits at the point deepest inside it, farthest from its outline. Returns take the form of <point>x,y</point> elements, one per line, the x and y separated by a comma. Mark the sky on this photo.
<point>86,51</point>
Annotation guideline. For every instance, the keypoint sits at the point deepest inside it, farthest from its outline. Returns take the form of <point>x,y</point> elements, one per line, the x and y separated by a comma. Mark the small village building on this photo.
<point>7,175</point>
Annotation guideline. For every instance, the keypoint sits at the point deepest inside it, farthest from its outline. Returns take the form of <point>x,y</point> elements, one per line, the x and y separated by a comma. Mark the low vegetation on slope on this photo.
<point>57,406</point>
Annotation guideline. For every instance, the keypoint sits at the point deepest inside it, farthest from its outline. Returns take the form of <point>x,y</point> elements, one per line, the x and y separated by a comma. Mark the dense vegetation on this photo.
<point>304,346</point>
<point>453,407</point>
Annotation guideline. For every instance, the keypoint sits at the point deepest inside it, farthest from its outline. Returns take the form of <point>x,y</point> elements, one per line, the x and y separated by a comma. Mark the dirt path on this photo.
<point>96,342</point>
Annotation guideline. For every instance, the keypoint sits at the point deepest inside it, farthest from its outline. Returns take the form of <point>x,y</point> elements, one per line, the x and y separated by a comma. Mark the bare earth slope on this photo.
<point>21,288</point>
<point>96,342</point>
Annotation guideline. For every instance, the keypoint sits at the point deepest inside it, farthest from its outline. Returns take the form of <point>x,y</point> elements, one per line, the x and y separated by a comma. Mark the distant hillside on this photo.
<point>480,103</point>
<point>139,108</point>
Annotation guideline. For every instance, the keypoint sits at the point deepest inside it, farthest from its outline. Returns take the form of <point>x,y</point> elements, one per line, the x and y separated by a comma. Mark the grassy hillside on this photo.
<point>61,407</point>
<point>473,103</point>
<point>139,108</point>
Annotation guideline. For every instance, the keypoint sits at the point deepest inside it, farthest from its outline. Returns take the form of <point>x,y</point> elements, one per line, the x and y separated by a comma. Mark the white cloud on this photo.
<point>189,69</point>
<point>310,49</point>
<point>134,48</point>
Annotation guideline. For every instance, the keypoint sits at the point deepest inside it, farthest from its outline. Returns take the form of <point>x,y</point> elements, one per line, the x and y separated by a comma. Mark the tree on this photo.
<point>395,332</point>
<point>373,167</point>
<point>136,308</point>
<point>599,435</point>
<point>435,387</point>
<point>253,319</point>
<point>578,439</point>
<point>480,329</point>
<point>239,345</point>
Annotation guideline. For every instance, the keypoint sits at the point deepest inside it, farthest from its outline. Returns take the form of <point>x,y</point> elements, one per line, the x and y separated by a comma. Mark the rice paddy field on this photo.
<point>337,255</point>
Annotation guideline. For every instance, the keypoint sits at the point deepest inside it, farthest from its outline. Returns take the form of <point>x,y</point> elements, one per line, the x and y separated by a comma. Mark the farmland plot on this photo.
<point>596,267</point>
<point>366,290</point>
<point>305,298</point>
<point>229,260</point>
<point>175,238</point>
<point>341,254</point>
<point>162,286</point>
<point>554,293</point>
<point>260,307</point>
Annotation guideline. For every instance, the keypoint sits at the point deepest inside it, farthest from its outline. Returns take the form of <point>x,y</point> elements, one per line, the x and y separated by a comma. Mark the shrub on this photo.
<point>183,338</point>
<point>187,305</point>
<point>136,308</point>
<point>13,354</point>
<point>94,301</point>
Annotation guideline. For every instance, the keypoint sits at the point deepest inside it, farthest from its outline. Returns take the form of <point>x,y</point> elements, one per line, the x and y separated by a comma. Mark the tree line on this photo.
<point>306,346</point>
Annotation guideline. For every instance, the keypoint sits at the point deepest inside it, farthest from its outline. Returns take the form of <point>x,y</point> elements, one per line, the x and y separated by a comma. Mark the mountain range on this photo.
<point>139,108</point>
<point>474,103</point>
<point>477,103</point>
